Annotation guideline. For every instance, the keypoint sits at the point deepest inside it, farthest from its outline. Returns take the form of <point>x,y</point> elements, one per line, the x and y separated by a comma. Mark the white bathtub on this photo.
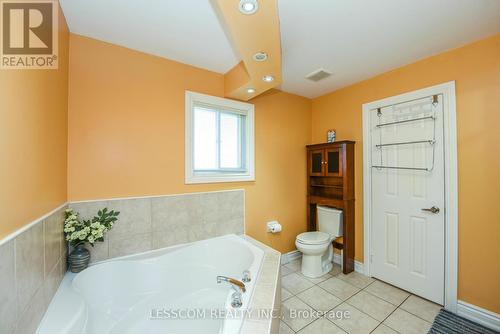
<point>136,294</point>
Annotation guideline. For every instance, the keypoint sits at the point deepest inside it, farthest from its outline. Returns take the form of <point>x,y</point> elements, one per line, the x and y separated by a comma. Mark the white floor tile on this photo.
<point>387,292</point>
<point>357,322</point>
<point>358,280</point>
<point>294,265</point>
<point>375,307</point>
<point>336,269</point>
<point>284,329</point>
<point>297,314</point>
<point>383,329</point>
<point>406,323</point>
<point>319,299</point>
<point>295,283</point>
<point>321,326</point>
<point>317,279</point>
<point>285,294</point>
<point>339,288</point>
<point>421,308</point>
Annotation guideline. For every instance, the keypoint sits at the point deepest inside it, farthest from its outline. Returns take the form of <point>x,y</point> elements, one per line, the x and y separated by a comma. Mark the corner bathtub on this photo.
<point>122,295</point>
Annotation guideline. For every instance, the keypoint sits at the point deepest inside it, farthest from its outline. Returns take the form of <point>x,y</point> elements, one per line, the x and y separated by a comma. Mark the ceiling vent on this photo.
<point>318,75</point>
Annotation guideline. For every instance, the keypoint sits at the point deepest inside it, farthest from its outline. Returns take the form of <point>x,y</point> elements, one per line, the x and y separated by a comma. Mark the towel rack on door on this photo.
<point>434,102</point>
<point>405,121</point>
<point>431,142</point>
<point>405,168</point>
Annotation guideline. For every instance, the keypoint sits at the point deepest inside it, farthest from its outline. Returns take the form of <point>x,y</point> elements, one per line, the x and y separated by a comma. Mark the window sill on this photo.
<point>195,179</point>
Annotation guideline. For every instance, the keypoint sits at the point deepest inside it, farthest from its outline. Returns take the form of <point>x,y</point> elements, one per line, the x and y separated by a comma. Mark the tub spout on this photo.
<point>237,285</point>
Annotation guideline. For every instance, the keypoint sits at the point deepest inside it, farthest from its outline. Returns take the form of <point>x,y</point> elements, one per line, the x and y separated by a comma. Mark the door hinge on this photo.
<point>371,258</point>
<point>435,100</point>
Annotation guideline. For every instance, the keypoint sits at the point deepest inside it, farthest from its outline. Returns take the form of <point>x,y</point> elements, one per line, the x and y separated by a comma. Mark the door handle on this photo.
<point>433,209</point>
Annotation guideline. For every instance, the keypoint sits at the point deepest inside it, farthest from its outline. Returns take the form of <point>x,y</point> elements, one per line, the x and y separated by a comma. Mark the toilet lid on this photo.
<point>313,238</point>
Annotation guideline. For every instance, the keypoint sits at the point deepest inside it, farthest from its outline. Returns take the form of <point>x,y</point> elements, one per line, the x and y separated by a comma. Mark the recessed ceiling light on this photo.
<point>260,56</point>
<point>250,90</point>
<point>248,7</point>
<point>268,78</point>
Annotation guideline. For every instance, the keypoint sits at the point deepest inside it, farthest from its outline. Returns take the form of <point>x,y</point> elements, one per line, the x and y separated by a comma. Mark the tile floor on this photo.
<point>374,306</point>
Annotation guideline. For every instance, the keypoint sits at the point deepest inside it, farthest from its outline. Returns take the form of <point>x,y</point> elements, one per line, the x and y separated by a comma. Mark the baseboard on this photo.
<point>479,315</point>
<point>337,258</point>
<point>290,256</point>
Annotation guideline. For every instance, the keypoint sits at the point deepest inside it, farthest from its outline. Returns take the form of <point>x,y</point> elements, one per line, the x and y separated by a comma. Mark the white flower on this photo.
<point>78,231</point>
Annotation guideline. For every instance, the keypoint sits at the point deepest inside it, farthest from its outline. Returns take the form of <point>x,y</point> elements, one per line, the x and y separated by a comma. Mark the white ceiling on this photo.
<point>186,31</point>
<point>358,39</point>
<point>354,39</point>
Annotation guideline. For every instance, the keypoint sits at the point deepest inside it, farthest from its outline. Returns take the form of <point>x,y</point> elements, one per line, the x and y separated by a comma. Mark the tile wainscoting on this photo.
<point>156,222</point>
<point>33,260</point>
<point>32,265</point>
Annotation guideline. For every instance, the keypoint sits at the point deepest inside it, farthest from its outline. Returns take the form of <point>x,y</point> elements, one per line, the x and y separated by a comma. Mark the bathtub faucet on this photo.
<point>238,286</point>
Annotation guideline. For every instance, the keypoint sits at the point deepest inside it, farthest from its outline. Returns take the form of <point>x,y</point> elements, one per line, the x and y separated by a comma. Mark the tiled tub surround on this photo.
<point>156,222</point>
<point>267,294</point>
<point>32,264</point>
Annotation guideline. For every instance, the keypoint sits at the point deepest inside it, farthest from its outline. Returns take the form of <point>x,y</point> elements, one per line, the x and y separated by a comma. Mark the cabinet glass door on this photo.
<point>316,163</point>
<point>334,162</point>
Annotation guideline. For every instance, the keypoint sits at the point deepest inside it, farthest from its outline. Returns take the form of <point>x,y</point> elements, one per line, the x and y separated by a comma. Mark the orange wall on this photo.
<point>126,135</point>
<point>33,140</point>
<point>476,70</point>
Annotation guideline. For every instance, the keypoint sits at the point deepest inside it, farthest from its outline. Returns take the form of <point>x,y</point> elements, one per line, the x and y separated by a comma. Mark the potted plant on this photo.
<point>79,232</point>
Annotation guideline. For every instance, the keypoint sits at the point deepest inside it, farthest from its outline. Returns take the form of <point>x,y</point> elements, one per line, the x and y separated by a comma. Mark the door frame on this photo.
<point>451,181</point>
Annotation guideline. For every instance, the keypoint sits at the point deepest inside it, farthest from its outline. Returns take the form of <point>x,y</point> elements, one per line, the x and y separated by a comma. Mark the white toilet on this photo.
<point>316,247</point>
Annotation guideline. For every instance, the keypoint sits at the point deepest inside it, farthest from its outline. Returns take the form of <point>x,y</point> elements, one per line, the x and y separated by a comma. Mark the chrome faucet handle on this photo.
<point>237,285</point>
<point>236,300</point>
<point>246,276</point>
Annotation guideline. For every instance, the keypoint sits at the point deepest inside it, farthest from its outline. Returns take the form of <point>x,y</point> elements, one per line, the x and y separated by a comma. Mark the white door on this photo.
<point>408,236</point>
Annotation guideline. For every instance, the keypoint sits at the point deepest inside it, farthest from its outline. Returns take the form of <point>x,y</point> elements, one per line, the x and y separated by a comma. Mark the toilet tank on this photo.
<point>329,220</point>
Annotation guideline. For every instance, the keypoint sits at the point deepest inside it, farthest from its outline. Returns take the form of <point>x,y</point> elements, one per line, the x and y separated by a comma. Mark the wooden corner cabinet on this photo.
<point>330,182</point>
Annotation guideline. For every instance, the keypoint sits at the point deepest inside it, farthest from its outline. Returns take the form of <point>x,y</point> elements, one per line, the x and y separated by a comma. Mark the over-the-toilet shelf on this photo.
<point>330,182</point>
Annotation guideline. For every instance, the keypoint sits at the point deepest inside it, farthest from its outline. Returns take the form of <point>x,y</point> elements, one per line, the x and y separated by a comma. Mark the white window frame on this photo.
<point>247,109</point>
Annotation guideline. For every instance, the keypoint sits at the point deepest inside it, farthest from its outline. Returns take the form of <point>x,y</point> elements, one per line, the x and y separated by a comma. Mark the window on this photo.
<point>219,139</point>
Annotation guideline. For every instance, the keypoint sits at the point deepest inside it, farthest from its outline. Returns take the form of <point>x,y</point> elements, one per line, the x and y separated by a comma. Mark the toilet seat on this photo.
<point>313,238</point>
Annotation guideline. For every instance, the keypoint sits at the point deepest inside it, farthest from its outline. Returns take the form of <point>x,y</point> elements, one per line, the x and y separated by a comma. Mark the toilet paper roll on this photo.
<point>274,227</point>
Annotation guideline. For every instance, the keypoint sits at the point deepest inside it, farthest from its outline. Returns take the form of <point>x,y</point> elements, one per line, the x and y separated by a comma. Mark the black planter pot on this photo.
<point>78,259</point>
